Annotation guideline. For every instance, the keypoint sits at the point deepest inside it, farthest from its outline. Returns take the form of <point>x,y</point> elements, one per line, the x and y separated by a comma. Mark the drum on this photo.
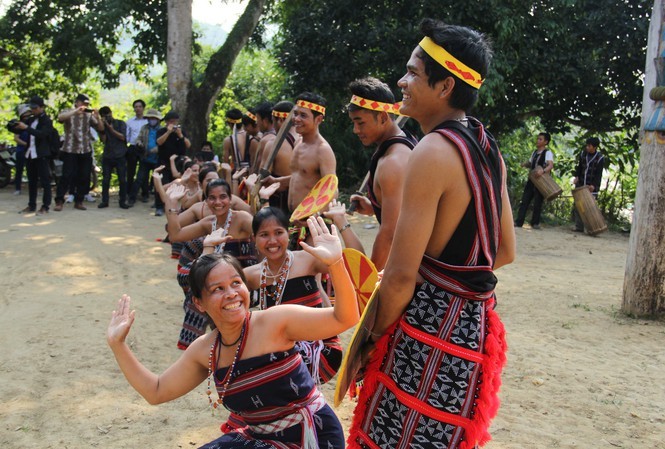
<point>545,184</point>
<point>586,206</point>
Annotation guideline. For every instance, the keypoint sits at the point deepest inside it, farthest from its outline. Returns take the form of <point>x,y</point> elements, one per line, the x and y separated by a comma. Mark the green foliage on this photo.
<point>568,64</point>
<point>621,151</point>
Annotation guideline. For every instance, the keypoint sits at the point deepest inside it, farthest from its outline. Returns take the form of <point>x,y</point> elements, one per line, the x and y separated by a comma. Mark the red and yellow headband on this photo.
<point>234,121</point>
<point>280,114</point>
<point>451,63</point>
<point>372,105</point>
<point>251,116</point>
<point>313,106</point>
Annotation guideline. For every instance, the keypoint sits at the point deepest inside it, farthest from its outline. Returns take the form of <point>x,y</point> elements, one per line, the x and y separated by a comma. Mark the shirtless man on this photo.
<point>250,147</point>
<point>266,127</point>
<point>236,156</point>
<point>313,157</point>
<point>281,166</point>
<point>372,110</point>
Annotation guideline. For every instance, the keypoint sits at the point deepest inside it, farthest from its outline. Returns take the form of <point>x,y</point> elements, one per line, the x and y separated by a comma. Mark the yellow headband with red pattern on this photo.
<point>313,106</point>
<point>451,63</point>
<point>280,114</point>
<point>234,121</point>
<point>372,105</point>
<point>251,116</point>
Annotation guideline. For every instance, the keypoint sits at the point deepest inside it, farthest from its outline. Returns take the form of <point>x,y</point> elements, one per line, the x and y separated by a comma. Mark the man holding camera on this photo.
<point>37,155</point>
<point>171,140</point>
<point>76,154</point>
<point>115,150</point>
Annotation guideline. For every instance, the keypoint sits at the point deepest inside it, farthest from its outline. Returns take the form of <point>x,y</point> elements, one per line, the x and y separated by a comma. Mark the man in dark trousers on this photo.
<point>588,172</point>
<point>114,156</point>
<point>37,155</point>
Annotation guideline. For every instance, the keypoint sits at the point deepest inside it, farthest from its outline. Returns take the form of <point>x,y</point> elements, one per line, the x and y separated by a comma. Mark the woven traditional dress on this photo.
<point>322,357</point>
<point>434,378</point>
<point>275,397</point>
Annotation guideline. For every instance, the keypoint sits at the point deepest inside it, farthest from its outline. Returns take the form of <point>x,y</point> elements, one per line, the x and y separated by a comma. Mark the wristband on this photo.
<point>264,200</point>
<point>175,211</point>
<point>345,227</point>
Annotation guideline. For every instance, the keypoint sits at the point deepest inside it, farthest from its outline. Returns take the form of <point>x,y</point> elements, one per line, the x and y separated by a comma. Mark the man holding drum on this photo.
<point>588,172</point>
<point>541,162</point>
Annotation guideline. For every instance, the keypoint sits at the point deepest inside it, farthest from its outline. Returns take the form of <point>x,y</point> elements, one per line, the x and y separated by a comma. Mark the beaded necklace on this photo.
<point>213,361</point>
<point>227,224</point>
<point>279,281</point>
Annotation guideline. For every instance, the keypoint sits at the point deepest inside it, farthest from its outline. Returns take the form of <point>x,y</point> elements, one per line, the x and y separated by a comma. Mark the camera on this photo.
<point>11,125</point>
<point>88,110</point>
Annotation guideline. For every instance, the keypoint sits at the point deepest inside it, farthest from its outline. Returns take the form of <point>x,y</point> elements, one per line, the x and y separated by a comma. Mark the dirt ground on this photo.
<point>579,373</point>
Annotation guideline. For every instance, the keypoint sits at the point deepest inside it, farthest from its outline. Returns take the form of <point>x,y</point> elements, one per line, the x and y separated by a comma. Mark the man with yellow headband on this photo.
<point>231,146</point>
<point>372,110</point>
<point>281,165</point>
<point>437,347</point>
<point>250,146</point>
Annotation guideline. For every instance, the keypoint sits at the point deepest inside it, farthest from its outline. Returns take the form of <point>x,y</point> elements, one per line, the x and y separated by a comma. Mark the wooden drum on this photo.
<point>545,184</point>
<point>586,206</point>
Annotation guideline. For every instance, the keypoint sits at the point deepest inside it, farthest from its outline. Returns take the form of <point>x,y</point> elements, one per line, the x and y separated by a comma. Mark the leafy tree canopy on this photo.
<point>565,62</point>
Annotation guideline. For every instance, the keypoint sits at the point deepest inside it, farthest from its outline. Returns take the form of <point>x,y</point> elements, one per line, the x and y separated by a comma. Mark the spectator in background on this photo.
<point>37,155</point>
<point>134,126</point>
<point>21,139</point>
<point>588,172</point>
<point>114,156</point>
<point>76,153</point>
<point>171,140</point>
<point>146,143</point>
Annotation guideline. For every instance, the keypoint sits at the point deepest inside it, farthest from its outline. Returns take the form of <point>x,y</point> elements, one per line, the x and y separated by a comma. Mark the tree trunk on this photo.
<point>644,282</point>
<point>179,53</point>
<point>202,98</point>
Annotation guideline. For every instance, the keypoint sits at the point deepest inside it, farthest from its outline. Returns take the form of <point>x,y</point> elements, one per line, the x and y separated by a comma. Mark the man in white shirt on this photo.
<point>542,161</point>
<point>134,126</point>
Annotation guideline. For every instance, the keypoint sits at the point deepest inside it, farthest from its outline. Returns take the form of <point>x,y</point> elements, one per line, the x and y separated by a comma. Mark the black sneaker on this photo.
<point>131,202</point>
<point>28,210</point>
<point>159,212</point>
<point>102,205</point>
<point>124,206</point>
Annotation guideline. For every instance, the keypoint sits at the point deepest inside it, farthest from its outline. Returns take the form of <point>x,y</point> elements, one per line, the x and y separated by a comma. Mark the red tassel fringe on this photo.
<point>487,403</point>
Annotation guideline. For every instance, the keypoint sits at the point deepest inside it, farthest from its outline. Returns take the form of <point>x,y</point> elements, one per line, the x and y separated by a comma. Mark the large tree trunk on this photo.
<point>644,283</point>
<point>201,99</point>
<point>179,53</point>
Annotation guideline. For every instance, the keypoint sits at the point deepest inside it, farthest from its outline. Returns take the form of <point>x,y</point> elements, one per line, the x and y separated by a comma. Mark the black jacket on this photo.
<point>41,134</point>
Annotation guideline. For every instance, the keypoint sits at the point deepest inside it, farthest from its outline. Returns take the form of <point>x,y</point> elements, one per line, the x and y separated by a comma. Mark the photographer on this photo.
<point>21,138</point>
<point>171,140</point>
<point>37,155</point>
<point>76,154</point>
<point>115,150</point>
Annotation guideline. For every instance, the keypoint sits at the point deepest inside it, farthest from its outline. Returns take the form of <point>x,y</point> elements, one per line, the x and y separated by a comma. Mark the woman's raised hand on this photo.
<point>121,321</point>
<point>216,237</point>
<point>175,192</point>
<point>327,247</point>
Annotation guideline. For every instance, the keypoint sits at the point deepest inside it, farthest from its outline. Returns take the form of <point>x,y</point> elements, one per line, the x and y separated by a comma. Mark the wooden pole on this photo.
<point>644,282</point>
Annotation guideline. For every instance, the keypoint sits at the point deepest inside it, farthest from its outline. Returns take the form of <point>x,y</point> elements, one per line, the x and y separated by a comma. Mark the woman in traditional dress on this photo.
<point>257,371</point>
<point>289,277</point>
<point>237,224</point>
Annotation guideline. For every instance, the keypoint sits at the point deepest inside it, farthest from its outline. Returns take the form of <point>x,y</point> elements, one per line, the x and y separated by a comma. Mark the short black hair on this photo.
<point>247,120</point>
<point>234,114</point>
<point>104,110</point>
<point>468,46</point>
<point>268,213</point>
<point>283,106</point>
<point>138,101</point>
<point>594,141</point>
<point>217,183</point>
<point>312,98</point>
<point>370,88</point>
<point>546,135</point>
<point>201,268</point>
<point>264,110</point>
